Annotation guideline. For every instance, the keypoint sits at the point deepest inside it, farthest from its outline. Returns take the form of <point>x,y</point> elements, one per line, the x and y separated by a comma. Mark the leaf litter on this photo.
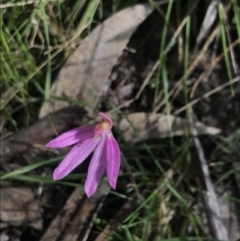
<point>136,126</point>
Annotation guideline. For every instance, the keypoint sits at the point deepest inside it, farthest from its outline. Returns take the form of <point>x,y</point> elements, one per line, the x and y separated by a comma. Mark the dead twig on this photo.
<point>206,95</point>
<point>212,65</point>
<point>178,86</point>
<point>120,216</point>
<point>216,224</point>
<point>60,222</point>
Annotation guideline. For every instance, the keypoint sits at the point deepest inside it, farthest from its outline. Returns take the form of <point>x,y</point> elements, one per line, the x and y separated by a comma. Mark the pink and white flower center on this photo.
<point>101,129</point>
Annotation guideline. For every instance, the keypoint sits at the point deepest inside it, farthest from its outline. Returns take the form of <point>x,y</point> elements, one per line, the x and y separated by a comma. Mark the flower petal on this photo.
<point>74,158</point>
<point>106,118</point>
<point>113,160</point>
<point>96,168</point>
<point>72,137</point>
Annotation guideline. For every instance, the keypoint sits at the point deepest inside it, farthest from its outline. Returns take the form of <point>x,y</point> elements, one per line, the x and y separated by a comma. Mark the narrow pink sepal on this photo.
<point>113,160</point>
<point>106,118</point>
<point>74,158</point>
<point>96,168</point>
<point>72,137</point>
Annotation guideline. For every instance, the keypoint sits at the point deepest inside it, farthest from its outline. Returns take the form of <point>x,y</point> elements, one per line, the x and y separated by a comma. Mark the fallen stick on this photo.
<point>215,220</point>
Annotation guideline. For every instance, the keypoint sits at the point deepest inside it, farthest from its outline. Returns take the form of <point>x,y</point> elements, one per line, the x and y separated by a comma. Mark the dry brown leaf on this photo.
<point>209,19</point>
<point>86,72</point>
<point>25,140</point>
<point>18,207</point>
<point>155,125</point>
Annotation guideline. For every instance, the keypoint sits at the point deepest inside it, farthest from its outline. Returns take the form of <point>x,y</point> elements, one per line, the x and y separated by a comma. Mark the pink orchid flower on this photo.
<point>87,138</point>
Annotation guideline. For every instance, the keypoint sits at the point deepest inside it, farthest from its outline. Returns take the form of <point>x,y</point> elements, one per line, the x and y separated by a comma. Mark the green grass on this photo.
<point>35,40</point>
